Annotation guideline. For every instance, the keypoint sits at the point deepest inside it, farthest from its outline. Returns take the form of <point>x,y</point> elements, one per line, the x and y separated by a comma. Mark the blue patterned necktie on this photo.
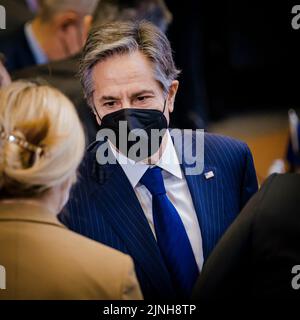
<point>171,236</point>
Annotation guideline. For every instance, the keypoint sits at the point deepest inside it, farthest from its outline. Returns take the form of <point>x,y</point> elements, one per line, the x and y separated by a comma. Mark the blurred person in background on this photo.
<point>293,149</point>
<point>291,162</point>
<point>62,74</point>
<point>58,31</point>
<point>41,146</point>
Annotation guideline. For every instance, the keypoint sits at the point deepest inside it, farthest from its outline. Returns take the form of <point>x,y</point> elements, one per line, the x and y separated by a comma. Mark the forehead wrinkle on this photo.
<point>131,65</point>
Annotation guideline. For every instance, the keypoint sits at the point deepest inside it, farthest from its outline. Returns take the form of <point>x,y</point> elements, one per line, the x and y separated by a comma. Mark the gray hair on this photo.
<point>48,8</point>
<point>126,37</point>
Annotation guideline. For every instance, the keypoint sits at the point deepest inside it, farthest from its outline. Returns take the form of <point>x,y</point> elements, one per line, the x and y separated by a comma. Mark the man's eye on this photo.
<point>143,98</point>
<point>109,104</point>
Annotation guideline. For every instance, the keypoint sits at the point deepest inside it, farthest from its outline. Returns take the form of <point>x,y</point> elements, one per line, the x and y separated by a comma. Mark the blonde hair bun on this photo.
<point>42,141</point>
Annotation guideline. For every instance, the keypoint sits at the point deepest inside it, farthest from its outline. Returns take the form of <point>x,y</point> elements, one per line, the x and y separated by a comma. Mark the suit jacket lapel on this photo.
<point>207,196</point>
<point>117,201</point>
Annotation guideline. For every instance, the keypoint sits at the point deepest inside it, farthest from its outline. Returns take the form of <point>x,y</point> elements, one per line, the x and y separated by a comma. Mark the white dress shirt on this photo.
<point>176,188</point>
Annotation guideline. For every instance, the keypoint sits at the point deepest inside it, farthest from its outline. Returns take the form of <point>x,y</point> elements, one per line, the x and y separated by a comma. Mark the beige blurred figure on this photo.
<point>41,145</point>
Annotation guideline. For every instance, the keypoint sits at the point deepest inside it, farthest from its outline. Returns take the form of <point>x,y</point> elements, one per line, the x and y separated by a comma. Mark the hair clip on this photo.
<point>21,142</point>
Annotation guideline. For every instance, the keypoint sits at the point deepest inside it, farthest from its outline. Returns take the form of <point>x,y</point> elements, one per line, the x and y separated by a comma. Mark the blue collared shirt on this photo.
<point>38,53</point>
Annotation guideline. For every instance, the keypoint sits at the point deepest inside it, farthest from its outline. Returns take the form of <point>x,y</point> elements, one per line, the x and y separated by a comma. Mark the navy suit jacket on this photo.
<point>103,206</point>
<point>18,54</point>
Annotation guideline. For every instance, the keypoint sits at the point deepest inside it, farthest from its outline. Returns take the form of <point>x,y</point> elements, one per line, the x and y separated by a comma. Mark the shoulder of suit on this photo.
<point>88,269</point>
<point>91,247</point>
<point>208,137</point>
<point>80,252</point>
<point>108,267</point>
<point>211,138</point>
<point>286,181</point>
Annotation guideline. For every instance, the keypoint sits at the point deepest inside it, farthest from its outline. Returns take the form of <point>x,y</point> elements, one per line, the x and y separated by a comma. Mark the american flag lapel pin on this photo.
<point>209,175</point>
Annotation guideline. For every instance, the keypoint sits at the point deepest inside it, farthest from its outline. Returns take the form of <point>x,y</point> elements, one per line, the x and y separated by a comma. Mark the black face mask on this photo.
<point>136,119</point>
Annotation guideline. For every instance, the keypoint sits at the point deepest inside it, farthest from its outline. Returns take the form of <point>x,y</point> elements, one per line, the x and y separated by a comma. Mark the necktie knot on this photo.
<point>153,181</point>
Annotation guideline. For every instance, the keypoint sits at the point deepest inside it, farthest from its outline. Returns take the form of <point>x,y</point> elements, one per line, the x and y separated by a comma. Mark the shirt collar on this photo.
<point>135,170</point>
<point>39,55</point>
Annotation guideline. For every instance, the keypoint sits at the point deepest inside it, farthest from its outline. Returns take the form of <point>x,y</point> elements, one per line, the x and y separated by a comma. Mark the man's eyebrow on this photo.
<point>105,98</point>
<point>134,95</point>
<point>139,93</point>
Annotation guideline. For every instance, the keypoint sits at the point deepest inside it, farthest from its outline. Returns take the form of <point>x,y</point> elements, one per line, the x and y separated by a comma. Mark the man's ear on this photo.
<point>172,94</point>
<point>69,27</point>
<point>96,115</point>
<point>63,20</point>
<point>97,119</point>
<point>87,23</point>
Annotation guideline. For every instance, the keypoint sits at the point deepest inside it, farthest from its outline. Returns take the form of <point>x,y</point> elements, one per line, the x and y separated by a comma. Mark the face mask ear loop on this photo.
<point>165,105</point>
<point>95,110</point>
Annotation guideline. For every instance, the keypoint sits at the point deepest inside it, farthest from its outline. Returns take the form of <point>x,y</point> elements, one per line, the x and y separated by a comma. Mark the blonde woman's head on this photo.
<point>41,140</point>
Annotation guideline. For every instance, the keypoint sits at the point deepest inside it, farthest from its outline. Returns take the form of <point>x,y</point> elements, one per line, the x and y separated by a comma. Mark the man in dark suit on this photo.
<point>57,32</point>
<point>152,205</point>
<point>259,255</point>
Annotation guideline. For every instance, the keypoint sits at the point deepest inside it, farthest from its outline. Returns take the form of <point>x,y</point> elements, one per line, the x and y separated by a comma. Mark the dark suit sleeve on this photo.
<point>225,274</point>
<point>249,183</point>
